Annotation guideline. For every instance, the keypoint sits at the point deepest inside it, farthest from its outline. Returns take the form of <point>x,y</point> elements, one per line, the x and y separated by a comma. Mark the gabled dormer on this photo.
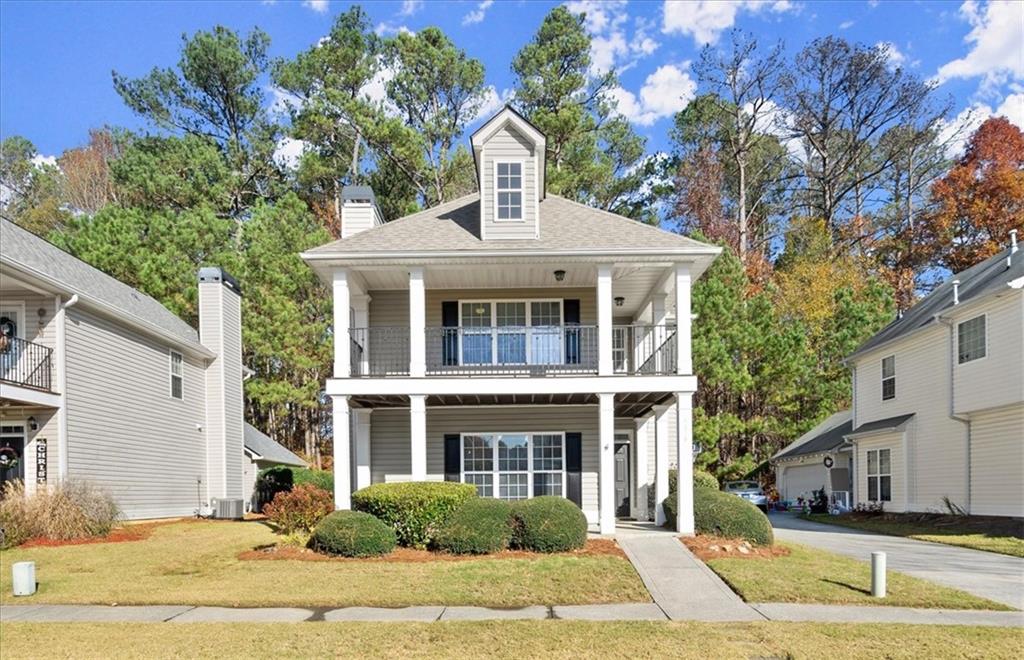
<point>509,155</point>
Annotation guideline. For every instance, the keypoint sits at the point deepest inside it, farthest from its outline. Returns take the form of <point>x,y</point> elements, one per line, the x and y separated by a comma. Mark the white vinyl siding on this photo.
<point>997,462</point>
<point>507,145</point>
<point>970,339</point>
<point>998,379</point>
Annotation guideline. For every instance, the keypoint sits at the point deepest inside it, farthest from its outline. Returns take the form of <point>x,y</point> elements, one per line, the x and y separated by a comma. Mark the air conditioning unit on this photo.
<point>228,509</point>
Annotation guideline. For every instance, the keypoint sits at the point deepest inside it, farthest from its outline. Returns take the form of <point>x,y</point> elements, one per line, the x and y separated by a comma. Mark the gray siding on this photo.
<point>508,144</point>
<point>125,432</point>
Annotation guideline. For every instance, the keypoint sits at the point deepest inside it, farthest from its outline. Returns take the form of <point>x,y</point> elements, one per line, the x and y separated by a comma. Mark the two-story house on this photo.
<point>99,382</point>
<point>514,340</point>
<point>938,398</point>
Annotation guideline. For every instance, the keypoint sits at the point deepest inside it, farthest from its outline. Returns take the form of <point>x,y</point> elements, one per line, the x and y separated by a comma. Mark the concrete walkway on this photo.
<point>185,614</point>
<point>986,574</point>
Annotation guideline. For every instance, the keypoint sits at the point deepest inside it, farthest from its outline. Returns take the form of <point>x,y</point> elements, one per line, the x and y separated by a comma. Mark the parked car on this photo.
<point>751,491</point>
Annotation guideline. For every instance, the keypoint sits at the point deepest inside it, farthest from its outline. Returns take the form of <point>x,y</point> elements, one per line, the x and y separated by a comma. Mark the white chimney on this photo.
<point>220,330</point>
<point>359,210</point>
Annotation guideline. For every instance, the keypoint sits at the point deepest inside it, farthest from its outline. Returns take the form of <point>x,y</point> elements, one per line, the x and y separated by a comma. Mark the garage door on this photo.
<point>800,480</point>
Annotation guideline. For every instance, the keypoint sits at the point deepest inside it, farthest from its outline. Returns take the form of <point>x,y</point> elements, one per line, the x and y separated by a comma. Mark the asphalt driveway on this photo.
<point>986,574</point>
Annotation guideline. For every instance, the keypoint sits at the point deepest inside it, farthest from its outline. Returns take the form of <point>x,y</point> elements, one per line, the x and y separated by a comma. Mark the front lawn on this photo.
<point>197,563</point>
<point>508,639</point>
<point>1002,535</point>
<point>809,575</point>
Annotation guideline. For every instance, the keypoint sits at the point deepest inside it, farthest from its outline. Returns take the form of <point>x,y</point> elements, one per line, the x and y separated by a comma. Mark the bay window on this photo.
<point>514,466</point>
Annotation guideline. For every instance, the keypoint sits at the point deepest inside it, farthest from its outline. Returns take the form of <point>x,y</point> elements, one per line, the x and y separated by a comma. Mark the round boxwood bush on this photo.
<point>415,509</point>
<point>480,526</point>
<point>548,524</point>
<point>701,479</point>
<point>353,534</point>
<point>722,514</point>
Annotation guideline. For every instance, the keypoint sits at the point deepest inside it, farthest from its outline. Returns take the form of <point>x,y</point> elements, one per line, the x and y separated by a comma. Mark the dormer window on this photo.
<point>509,200</point>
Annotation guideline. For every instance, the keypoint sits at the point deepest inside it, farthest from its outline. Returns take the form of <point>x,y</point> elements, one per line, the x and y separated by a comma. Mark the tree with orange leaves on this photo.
<point>980,199</point>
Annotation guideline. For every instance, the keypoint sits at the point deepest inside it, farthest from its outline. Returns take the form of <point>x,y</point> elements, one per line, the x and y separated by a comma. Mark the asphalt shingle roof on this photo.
<point>980,279</point>
<point>24,249</point>
<point>263,445</point>
<point>825,437</point>
<point>882,424</point>
<point>455,227</point>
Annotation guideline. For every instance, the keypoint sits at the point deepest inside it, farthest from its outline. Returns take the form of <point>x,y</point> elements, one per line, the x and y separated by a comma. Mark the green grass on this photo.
<point>815,576</point>
<point>508,639</point>
<point>196,563</point>
<point>1000,536</point>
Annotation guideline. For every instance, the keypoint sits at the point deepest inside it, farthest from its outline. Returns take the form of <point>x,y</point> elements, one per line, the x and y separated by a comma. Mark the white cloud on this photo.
<point>996,44</point>
<point>600,16</point>
<point>773,119</point>
<point>39,160</point>
<point>846,25</point>
<point>376,89</point>
<point>410,7</point>
<point>319,6</point>
<point>665,92</point>
<point>705,20</point>
<point>611,44</point>
<point>280,101</point>
<point>1013,109</point>
<point>478,14</point>
<point>604,51</point>
<point>493,102</point>
<point>385,29</point>
<point>288,152</point>
<point>892,54</point>
<point>955,133</point>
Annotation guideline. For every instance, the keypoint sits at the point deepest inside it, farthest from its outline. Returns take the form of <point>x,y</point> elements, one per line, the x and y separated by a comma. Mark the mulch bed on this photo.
<point>715,547</point>
<point>593,548</point>
<point>123,534</point>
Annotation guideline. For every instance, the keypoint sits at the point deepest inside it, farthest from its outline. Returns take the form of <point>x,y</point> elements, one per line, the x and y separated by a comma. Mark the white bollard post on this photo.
<point>24,578</point>
<point>878,574</point>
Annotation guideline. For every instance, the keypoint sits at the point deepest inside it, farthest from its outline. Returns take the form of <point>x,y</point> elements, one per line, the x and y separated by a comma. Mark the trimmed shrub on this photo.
<point>353,534</point>
<point>701,479</point>
<point>72,509</point>
<point>480,526</point>
<point>415,509</point>
<point>320,478</point>
<point>299,509</point>
<point>548,524</point>
<point>722,514</point>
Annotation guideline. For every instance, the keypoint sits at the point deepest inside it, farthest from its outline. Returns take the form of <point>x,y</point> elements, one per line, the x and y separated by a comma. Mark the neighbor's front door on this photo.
<point>622,479</point>
<point>12,451</point>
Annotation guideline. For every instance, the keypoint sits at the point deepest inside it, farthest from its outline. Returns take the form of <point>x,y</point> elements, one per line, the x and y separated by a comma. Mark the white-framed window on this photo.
<point>879,475</point>
<point>177,376</point>
<point>514,466</point>
<point>510,332</point>
<point>970,339</point>
<point>508,186</point>
<point>889,378</point>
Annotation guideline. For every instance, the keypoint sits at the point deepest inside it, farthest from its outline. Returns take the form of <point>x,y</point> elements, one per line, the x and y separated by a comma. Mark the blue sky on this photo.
<point>56,58</point>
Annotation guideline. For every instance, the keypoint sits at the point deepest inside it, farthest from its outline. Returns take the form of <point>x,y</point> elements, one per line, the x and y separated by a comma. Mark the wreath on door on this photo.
<point>8,458</point>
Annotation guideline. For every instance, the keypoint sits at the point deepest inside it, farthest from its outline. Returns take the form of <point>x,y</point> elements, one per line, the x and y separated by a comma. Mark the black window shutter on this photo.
<point>450,339</point>
<point>452,467</point>
<point>571,314</point>
<point>574,468</point>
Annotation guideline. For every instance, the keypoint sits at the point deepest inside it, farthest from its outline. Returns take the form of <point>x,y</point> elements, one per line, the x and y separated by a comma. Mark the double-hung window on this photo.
<point>889,378</point>
<point>514,466</point>
<point>177,376</point>
<point>509,187</point>
<point>879,475</point>
<point>970,339</point>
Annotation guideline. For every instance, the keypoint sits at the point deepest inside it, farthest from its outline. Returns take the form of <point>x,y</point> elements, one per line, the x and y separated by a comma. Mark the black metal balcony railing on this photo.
<point>514,350</point>
<point>25,363</point>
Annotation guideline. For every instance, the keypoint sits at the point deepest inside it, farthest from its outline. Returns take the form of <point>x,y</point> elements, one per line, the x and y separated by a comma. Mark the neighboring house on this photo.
<point>819,459</point>
<point>938,398</point>
<point>515,340</point>
<point>261,452</point>
<point>102,383</point>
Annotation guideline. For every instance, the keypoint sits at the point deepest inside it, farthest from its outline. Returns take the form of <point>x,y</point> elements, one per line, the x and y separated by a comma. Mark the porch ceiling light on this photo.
<point>619,301</point>
<point>559,275</point>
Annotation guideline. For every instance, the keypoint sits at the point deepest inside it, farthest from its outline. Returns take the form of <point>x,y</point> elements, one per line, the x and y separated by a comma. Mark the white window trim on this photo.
<point>171,375</point>
<point>522,188</point>
<point>17,307</point>
<point>984,357</point>
<point>881,365</point>
<point>878,474</point>
<point>528,329</point>
<point>495,472</point>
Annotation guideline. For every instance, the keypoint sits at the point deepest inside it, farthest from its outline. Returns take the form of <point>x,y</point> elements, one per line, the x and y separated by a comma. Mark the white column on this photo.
<point>418,435</point>
<point>660,462</point>
<point>604,320</point>
<point>659,317</point>
<point>417,324</point>
<point>684,362</point>
<point>684,438</point>
<point>641,448</point>
<point>606,476</point>
<point>342,341</point>
<point>342,452</point>
<point>363,447</point>
<point>361,319</point>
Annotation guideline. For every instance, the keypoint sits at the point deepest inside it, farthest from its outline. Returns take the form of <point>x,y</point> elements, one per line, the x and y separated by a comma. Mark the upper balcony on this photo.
<point>26,364</point>
<point>514,350</point>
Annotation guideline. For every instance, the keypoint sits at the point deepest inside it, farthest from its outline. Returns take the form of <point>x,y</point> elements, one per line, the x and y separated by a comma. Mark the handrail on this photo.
<point>26,363</point>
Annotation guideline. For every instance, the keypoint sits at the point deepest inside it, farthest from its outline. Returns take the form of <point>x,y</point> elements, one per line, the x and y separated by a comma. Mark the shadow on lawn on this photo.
<point>866,592</point>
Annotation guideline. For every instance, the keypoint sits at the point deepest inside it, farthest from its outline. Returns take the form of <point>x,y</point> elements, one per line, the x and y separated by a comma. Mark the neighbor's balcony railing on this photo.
<point>514,350</point>
<point>25,363</point>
